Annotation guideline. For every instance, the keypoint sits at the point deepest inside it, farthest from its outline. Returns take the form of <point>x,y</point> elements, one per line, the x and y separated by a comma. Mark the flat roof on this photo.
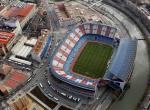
<point>16,11</point>
<point>5,37</point>
<point>40,41</point>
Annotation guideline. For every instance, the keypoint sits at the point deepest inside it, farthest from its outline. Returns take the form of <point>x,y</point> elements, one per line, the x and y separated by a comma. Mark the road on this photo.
<point>131,98</point>
<point>52,16</point>
<point>141,72</point>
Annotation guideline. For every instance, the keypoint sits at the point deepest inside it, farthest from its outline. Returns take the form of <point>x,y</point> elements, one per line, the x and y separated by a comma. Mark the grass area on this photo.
<point>92,61</point>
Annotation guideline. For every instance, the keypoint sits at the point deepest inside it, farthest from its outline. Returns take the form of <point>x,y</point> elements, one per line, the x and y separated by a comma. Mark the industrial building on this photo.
<point>13,19</point>
<point>20,10</point>
<point>9,29</point>
<point>22,50</point>
<point>42,45</point>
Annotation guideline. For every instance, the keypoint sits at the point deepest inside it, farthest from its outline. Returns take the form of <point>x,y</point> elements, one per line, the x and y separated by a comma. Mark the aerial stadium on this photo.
<point>74,54</point>
<point>91,55</point>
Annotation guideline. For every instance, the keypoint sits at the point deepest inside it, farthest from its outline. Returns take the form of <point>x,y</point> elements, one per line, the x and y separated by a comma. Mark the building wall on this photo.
<point>38,57</point>
<point>18,30</point>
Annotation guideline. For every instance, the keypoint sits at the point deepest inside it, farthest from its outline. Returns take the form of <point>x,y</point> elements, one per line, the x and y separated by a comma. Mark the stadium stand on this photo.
<point>70,46</point>
<point>120,65</point>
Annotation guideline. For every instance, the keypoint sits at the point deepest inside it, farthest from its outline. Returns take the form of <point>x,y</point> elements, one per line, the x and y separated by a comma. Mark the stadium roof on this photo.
<point>123,63</point>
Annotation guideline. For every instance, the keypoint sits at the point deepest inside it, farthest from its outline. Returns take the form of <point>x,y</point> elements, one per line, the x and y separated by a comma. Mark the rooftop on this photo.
<point>40,42</point>
<point>5,37</point>
<point>18,10</point>
<point>14,77</point>
<point>5,69</point>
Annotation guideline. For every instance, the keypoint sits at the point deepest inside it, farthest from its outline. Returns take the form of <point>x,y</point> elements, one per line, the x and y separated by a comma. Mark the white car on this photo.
<point>28,69</point>
<point>41,85</point>
<point>74,98</point>
<point>49,83</point>
<point>63,94</point>
<point>78,99</point>
<point>55,98</point>
<point>50,95</point>
<point>29,79</point>
<point>70,97</point>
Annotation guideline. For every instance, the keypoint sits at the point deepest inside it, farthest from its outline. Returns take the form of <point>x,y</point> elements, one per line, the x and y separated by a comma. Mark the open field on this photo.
<point>92,61</point>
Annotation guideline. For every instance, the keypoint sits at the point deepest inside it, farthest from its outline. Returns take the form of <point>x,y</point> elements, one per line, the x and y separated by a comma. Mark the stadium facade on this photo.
<point>119,67</point>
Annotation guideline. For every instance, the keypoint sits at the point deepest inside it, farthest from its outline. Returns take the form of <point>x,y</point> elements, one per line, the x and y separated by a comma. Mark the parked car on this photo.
<point>70,97</point>
<point>64,94</point>
<point>56,99</point>
<point>49,83</point>
<point>50,95</point>
<point>41,85</point>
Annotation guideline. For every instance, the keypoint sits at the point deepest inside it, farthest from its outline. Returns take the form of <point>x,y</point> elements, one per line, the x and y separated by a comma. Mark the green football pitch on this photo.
<point>92,61</point>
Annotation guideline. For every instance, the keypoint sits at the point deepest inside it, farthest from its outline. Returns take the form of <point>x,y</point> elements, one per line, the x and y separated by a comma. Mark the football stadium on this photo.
<point>90,55</point>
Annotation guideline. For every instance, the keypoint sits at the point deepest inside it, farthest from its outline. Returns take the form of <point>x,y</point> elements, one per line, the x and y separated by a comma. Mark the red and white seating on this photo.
<point>64,50</point>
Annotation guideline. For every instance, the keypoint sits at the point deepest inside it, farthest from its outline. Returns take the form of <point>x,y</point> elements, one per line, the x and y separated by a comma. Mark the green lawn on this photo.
<point>92,61</point>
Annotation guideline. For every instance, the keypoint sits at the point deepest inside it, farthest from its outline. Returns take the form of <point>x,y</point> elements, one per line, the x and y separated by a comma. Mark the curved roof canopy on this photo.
<point>123,63</point>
